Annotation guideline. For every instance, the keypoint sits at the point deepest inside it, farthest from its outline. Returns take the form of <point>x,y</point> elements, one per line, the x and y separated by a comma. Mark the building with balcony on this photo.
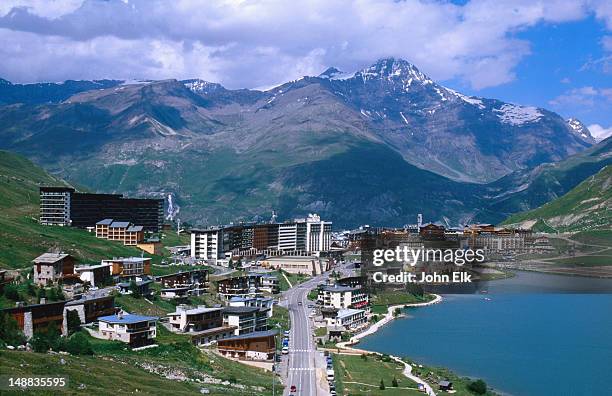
<point>38,317</point>
<point>129,266</point>
<point>342,297</point>
<point>64,206</point>
<point>134,330</point>
<point>245,319</point>
<point>259,345</point>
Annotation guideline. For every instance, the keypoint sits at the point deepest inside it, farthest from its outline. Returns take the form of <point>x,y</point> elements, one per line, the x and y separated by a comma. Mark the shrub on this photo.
<point>478,387</point>
<point>39,343</point>
<point>78,344</point>
<point>394,382</point>
<point>73,321</point>
<point>382,385</point>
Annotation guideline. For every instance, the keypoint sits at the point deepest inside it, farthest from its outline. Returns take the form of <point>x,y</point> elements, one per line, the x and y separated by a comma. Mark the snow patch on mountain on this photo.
<point>201,86</point>
<point>468,99</point>
<point>517,115</point>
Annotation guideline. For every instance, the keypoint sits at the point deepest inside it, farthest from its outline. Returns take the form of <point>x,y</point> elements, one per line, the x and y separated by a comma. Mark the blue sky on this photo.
<point>555,54</point>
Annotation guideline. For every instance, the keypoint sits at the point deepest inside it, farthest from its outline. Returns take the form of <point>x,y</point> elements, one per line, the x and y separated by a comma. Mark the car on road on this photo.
<point>286,333</point>
<point>293,389</point>
<point>299,303</point>
<point>285,350</point>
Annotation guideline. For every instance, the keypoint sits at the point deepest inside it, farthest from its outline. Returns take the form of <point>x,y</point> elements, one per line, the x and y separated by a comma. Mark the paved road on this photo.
<point>301,370</point>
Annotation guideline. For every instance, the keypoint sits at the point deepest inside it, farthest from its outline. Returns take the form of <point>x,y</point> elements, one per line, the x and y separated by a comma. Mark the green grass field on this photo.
<point>356,376</point>
<point>381,300</point>
<point>432,375</point>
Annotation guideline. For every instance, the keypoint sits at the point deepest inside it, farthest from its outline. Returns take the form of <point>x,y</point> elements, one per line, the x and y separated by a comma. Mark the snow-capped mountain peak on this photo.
<point>201,86</point>
<point>580,130</point>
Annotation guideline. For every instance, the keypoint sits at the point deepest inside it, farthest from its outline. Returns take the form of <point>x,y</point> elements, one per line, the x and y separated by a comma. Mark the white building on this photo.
<point>135,330</point>
<point>246,319</point>
<point>207,244</point>
<point>94,274</point>
<point>265,303</point>
<point>349,318</point>
<point>342,297</point>
<point>318,234</point>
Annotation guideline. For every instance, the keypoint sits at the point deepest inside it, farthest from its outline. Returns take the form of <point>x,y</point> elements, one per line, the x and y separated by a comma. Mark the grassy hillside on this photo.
<point>586,207</point>
<point>22,238</point>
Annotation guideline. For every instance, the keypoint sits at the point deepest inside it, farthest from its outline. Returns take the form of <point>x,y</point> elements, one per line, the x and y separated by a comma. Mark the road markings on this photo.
<point>302,369</point>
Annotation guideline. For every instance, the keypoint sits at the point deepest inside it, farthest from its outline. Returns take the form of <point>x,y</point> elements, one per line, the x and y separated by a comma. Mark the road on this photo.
<point>303,359</point>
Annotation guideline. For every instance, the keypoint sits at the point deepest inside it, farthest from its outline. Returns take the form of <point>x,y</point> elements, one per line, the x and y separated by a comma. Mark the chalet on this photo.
<point>245,319</point>
<point>258,345</point>
<point>90,308</point>
<point>445,385</point>
<point>95,275</point>
<point>135,330</point>
<point>50,268</point>
<point>39,317</point>
<point>130,266</point>
<point>122,231</point>
<point>339,297</point>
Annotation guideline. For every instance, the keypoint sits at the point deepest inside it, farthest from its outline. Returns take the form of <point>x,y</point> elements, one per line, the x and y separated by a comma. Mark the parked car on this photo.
<point>285,350</point>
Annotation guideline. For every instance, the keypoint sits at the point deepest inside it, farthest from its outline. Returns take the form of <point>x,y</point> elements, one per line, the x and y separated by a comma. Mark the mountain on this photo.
<point>587,206</point>
<point>525,190</point>
<point>375,146</point>
<point>48,92</point>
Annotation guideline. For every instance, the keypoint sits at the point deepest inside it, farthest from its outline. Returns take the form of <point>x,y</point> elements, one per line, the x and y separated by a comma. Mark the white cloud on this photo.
<point>599,132</point>
<point>261,43</point>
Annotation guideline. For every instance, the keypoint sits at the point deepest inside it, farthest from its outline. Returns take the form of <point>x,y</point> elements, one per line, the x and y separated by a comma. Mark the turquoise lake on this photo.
<point>529,335</point>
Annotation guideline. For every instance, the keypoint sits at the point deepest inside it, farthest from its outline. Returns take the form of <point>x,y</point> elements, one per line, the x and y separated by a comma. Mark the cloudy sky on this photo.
<point>553,54</point>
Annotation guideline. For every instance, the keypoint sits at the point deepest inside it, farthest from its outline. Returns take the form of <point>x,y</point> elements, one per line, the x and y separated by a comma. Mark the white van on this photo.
<point>285,350</point>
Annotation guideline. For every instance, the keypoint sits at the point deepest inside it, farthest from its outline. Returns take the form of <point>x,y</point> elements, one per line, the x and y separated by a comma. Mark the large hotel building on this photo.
<point>305,236</point>
<point>66,207</point>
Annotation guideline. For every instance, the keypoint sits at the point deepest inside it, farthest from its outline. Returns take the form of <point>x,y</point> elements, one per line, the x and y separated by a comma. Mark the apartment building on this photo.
<point>207,244</point>
<point>245,319</point>
<point>266,303</point>
<point>270,284</point>
<point>350,319</point>
<point>66,207</point>
<point>342,297</point>
<point>186,319</point>
<point>123,231</point>
<point>134,330</point>
<point>239,286</point>
<point>304,236</point>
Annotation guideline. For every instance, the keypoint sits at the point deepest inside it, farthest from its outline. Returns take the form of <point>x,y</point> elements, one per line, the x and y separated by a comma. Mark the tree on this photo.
<point>478,387</point>
<point>394,382</point>
<point>364,357</point>
<point>397,312</point>
<point>73,321</point>
<point>134,289</point>
<point>10,332</point>
<point>41,293</point>
<point>78,344</point>
<point>382,385</point>
<point>54,337</point>
<point>52,294</point>
<point>11,292</point>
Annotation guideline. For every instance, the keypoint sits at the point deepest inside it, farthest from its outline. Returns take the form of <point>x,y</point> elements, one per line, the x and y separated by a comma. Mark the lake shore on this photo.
<point>389,316</point>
